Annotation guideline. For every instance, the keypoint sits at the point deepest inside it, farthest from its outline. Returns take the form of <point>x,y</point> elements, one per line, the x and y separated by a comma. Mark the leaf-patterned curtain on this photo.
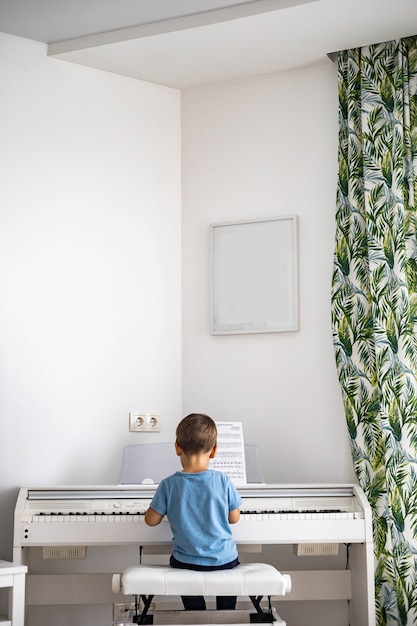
<point>374,303</point>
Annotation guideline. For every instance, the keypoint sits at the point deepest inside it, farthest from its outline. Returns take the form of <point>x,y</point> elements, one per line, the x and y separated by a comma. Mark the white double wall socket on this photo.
<point>144,421</point>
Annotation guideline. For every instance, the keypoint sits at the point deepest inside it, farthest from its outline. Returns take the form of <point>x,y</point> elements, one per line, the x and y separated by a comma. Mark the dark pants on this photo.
<point>197,603</point>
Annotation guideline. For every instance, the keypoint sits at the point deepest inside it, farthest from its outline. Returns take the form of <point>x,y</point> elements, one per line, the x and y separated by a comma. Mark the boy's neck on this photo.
<point>195,463</point>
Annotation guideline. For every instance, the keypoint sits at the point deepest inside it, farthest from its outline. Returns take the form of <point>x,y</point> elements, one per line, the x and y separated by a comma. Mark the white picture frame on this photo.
<point>254,276</point>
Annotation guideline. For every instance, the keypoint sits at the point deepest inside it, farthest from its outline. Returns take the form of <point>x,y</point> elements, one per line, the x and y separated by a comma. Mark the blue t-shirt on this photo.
<point>197,507</point>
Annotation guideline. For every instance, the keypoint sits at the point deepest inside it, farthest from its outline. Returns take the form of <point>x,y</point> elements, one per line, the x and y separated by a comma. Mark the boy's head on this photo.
<point>196,433</point>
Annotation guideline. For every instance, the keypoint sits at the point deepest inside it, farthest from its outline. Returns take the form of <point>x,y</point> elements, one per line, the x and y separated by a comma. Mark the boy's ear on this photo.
<point>213,452</point>
<point>178,450</point>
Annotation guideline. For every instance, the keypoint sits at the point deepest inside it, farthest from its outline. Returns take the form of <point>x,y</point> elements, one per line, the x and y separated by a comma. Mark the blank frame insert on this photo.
<point>254,276</point>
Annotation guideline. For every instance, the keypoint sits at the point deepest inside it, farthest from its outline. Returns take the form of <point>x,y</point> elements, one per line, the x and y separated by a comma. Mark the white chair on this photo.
<point>13,577</point>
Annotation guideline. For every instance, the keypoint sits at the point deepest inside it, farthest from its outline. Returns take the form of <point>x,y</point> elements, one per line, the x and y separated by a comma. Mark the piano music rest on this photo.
<point>250,579</point>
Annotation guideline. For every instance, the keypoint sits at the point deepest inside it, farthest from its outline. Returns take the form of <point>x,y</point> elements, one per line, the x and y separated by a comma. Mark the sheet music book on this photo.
<point>230,457</point>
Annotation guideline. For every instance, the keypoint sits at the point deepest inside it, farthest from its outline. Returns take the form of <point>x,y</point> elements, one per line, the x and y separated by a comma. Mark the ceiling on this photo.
<point>191,43</point>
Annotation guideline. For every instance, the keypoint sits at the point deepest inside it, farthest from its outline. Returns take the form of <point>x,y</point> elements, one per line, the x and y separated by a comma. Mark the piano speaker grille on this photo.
<point>317,549</point>
<point>67,553</point>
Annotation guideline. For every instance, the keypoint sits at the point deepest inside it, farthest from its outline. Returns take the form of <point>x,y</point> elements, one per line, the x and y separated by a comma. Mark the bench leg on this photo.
<point>261,616</point>
<point>143,618</point>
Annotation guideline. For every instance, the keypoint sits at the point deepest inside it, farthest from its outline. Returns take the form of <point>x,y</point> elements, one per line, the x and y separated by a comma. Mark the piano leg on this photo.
<point>362,605</point>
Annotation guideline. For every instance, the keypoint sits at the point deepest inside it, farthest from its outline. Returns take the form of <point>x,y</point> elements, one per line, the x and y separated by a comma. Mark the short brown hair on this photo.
<point>196,433</point>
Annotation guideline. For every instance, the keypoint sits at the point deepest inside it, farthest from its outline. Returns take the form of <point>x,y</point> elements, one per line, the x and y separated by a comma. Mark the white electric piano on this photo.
<point>73,538</point>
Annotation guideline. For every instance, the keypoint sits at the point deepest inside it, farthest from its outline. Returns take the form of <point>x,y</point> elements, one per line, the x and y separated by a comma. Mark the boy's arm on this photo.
<point>152,518</point>
<point>234,516</point>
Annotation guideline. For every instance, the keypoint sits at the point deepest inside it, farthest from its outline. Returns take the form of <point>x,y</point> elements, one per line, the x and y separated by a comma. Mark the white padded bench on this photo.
<point>249,579</point>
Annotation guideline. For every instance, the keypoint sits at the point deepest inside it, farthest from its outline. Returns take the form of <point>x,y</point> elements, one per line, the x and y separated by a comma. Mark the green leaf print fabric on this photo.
<point>374,303</point>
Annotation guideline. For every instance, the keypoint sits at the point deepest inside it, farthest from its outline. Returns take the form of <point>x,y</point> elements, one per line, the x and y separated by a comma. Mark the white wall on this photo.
<point>263,148</point>
<point>90,269</point>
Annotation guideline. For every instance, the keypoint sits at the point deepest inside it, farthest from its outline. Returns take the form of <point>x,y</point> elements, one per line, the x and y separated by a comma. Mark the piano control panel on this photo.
<point>251,505</point>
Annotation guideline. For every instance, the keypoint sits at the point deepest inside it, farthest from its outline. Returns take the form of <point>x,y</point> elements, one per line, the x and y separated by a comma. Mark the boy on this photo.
<point>200,505</point>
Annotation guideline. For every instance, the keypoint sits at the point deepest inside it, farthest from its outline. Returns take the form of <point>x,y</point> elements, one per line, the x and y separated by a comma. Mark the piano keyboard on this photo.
<point>111,515</point>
